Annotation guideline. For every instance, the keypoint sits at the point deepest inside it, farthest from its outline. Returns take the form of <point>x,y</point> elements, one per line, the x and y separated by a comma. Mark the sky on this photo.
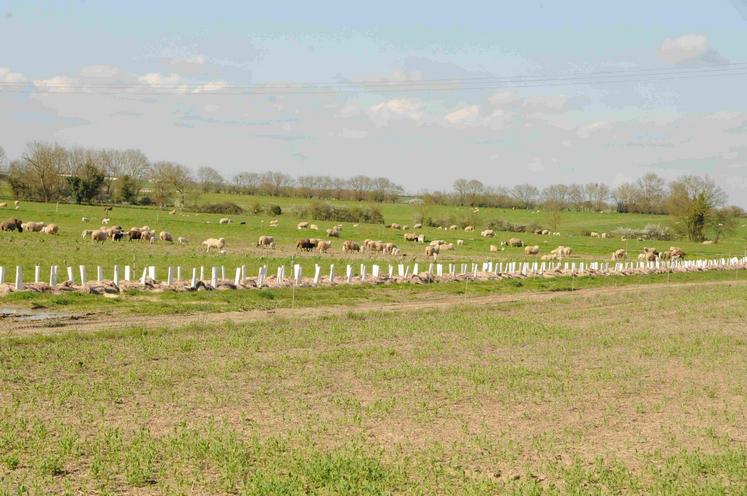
<point>418,93</point>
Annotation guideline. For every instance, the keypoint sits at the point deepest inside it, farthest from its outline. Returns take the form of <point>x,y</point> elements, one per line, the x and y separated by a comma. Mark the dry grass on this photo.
<point>613,393</point>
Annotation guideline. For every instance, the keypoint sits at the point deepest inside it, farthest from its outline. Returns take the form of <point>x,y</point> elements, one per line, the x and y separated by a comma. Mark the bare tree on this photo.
<point>651,192</point>
<point>43,164</point>
<point>209,179</point>
<point>525,195</point>
<point>170,178</point>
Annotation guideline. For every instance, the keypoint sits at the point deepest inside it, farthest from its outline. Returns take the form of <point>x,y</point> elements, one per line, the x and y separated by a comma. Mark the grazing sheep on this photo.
<point>12,225</point>
<point>460,242</point>
<point>99,235</point>
<point>469,228</point>
<point>172,212</point>
<point>389,248</point>
<point>17,203</point>
<point>302,225</point>
<point>51,229</point>
<point>432,251</point>
<point>515,242</point>
<point>84,219</point>
<point>556,234</point>
<point>224,220</point>
<point>218,244</point>
<point>708,242</point>
<point>266,241</point>
<point>545,232</point>
<point>453,227</point>
<point>324,246</point>
<point>134,233</point>
<point>105,220</point>
<point>395,226</point>
<point>417,226</point>
<point>562,251</point>
<point>488,233</point>
<point>313,227</point>
<point>604,235</point>
<point>531,250</point>
<point>118,235</point>
<point>3,205</point>
<point>165,236</point>
<point>305,245</point>
<point>549,256</point>
<point>149,236</point>
<point>35,226</point>
<point>493,248</point>
<point>447,246</point>
<point>182,240</point>
<point>618,255</point>
<point>410,236</point>
<point>349,246</point>
<point>333,233</point>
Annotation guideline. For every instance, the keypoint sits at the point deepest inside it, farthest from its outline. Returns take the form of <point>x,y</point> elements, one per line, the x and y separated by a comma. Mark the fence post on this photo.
<point>2,275</point>
<point>169,276</point>
<point>83,278</point>
<point>317,274</point>
<point>193,282</point>
<point>331,273</point>
<point>128,273</point>
<point>19,277</point>
<point>53,276</point>
<point>37,274</point>
<point>145,276</point>
<point>99,274</point>
<point>152,272</point>
<point>70,275</point>
<point>214,277</point>
<point>237,279</point>
<point>349,273</point>
<point>116,275</point>
<point>178,272</point>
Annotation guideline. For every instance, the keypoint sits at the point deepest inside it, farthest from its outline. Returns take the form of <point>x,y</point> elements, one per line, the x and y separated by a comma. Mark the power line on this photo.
<point>426,85</point>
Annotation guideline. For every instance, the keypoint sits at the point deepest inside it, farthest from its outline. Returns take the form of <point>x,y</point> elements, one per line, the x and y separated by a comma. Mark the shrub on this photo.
<point>651,231</point>
<point>324,211</point>
<point>219,208</point>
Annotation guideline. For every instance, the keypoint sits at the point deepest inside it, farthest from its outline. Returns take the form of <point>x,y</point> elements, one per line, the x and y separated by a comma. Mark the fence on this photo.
<point>177,278</point>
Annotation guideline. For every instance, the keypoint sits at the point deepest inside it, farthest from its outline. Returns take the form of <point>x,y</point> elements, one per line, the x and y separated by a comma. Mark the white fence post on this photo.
<point>99,274</point>
<point>19,277</point>
<point>116,275</point>
<point>349,273</point>
<point>145,276</point>
<point>128,273</point>
<point>83,278</point>
<point>331,273</point>
<point>193,282</point>
<point>214,277</point>
<point>169,276</point>
<point>317,273</point>
<point>152,272</point>
<point>2,275</point>
<point>70,275</point>
<point>237,279</point>
<point>37,274</point>
<point>53,276</point>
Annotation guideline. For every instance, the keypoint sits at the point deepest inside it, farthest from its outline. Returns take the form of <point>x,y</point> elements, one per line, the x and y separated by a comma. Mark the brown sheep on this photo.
<point>410,236</point>
<point>531,250</point>
<point>305,245</point>
<point>333,233</point>
<point>35,226</point>
<point>432,251</point>
<point>349,246</point>
<point>12,225</point>
<point>266,241</point>
<point>515,242</point>
<point>165,236</point>
<point>324,246</point>
<point>51,229</point>
<point>618,255</point>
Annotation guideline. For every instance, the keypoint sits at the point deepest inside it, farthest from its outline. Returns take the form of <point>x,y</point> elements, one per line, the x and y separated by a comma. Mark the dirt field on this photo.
<point>631,390</point>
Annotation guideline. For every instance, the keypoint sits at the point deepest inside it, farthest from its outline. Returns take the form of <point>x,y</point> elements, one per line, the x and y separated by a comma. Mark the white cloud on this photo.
<point>398,108</point>
<point>6,76</point>
<point>463,116</point>
<point>57,84</point>
<point>687,48</point>
<point>546,103</point>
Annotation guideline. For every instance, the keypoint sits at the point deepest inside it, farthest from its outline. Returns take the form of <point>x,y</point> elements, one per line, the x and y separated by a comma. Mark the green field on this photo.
<point>620,392</point>
<point>29,249</point>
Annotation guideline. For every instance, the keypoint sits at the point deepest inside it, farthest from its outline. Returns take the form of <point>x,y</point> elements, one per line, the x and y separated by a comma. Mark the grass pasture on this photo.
<point>29,249</point>
<point>608,393</point>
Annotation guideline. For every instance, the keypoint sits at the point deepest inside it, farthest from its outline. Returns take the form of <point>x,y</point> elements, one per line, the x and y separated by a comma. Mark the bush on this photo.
<point>502,225</point>
<point>651,231</point>
<point>219,208</point>
<point>324,211</point>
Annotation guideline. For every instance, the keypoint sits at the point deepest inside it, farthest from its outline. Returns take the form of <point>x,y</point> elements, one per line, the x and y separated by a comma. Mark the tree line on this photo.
<point>51,172</point>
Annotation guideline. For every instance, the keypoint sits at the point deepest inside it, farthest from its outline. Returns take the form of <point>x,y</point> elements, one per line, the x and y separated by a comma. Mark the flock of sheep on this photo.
<point>432,250</point>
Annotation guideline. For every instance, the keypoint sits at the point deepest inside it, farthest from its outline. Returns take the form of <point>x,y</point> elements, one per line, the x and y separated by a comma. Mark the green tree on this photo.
<point>127,189</point>
<point>693,202</point>
<point>86,185</point>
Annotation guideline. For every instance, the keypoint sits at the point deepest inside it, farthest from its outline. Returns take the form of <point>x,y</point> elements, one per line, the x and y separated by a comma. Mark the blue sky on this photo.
<point>63,51</point>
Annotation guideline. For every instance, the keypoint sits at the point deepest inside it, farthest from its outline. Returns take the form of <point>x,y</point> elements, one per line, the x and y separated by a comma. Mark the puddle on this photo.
<point>17,313</point>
